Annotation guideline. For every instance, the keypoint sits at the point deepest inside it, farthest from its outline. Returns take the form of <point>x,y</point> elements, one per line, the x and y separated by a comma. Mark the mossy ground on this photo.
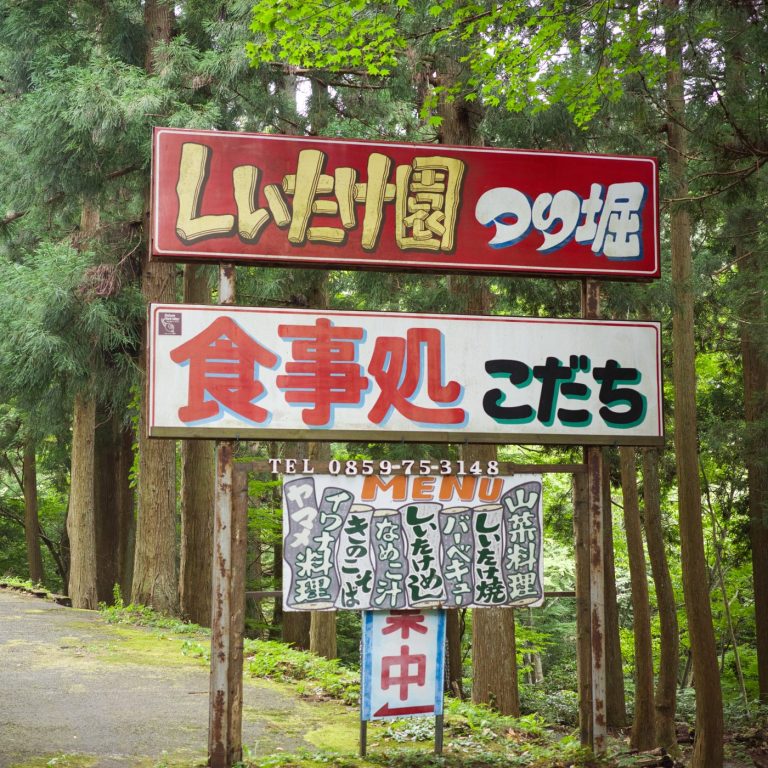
<point>300,721</point>
<point>58,761</point>
<point>139,646</point>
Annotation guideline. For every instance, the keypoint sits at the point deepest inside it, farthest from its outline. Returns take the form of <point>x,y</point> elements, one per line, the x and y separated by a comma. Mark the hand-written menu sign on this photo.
<point>297,374</point>
<point>403,663</point>
<point>398,542</point>
<point>301,200</point>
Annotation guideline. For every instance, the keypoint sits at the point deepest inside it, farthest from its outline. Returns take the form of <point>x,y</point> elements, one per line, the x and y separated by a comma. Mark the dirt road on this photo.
<point>71,683</point>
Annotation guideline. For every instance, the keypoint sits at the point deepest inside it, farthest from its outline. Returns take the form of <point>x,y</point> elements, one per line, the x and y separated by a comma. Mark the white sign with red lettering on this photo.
<point>403,664</point>
<point>237,372</point>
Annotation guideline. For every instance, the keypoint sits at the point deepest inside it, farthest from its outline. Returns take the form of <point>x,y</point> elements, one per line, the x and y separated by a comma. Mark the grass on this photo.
<point>142,616</point>
<point>321,709</point>
<point>326,714</point>
<point>62,760</point>
<point>23,585</point>
<point>327,717</point>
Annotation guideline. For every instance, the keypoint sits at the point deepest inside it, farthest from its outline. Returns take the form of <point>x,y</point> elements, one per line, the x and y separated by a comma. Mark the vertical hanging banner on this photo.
<point>403,664</point>
<point>346,204</point>
<point>402,542</point>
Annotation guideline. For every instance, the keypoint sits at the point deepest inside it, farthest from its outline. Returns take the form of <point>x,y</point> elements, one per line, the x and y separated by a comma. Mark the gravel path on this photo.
<point>60,695</point>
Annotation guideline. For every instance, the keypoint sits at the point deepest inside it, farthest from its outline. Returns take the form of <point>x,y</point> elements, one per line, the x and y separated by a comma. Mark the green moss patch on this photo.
<point>58,761</point>
<point>138,646</point>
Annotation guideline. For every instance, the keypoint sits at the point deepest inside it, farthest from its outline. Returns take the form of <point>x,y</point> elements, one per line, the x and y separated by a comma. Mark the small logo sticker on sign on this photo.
<point>169,324</point>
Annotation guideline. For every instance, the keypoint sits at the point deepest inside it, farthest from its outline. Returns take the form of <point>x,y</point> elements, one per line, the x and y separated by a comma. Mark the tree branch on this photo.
<point>14,472</point>
<point>43,536</point>
<point>12,216</point>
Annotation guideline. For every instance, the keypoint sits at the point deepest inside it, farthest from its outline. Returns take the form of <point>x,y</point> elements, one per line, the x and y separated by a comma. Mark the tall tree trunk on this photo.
<point>197,485</point>
<point>155,580</point>
<point>755,409</point>
<point>154,565</point>
<point>643,736</point>
<point>81,525</point>
<point>669,640</point>
<point>453,645</point>
<point>322,628</point>
<point>494,661</point>
<point>494,664</point>
<point>583,606</point>
<point>81,521</point>
<point>31,520</point>
<point>295,624</point>
<point>708,749</point>
<point>125,509</point>
<point>198,475</point>
<point>494,652</point>
<point>66,555</point>
<point>296,629</point>
<point>615,702</point>
<point>105,494</point>
<point>754,354</point>
<point>460,117</point>
<point>719,575</point>
<point>536,674</point>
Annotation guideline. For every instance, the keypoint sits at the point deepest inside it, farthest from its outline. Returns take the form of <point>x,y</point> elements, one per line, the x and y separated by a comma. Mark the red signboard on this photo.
<point>289,200</point>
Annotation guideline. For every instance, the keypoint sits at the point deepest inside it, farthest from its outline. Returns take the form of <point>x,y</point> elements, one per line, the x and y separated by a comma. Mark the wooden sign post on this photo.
<point>595,468</point>
<point>230,536</point>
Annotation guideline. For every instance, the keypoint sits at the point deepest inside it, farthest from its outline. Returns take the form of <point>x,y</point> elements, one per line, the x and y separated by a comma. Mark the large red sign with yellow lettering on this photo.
<point>289,200</point>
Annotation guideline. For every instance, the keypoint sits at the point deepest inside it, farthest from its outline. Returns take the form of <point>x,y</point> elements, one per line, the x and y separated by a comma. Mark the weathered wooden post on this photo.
<point>583,603</point>
<point>228,585</point>
<point>237,612</point>
<point>594,461</point>
<point>597,597</point>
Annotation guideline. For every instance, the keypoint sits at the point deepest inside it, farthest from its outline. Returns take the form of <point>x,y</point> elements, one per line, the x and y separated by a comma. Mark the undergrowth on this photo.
<point>475,735</point>
<point>144,616</point>
<point>24,585</point>
<point>316,677</point>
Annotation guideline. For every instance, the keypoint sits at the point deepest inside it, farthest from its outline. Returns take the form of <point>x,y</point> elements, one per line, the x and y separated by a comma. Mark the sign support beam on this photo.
<point>583,603</point>
<point>594,461</point>
<point>228,598</point>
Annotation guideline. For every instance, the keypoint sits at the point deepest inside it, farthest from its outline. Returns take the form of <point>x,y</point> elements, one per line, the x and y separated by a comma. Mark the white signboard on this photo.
<point>411,541</point>
<point>296,374</point>
<point>403,663</point>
